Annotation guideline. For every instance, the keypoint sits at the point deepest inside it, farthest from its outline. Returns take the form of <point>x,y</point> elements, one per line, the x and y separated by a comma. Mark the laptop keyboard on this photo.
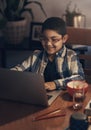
<point>49,96</point>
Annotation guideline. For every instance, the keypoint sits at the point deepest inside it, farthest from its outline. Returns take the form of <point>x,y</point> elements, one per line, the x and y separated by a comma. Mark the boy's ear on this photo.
<point>65,38</point>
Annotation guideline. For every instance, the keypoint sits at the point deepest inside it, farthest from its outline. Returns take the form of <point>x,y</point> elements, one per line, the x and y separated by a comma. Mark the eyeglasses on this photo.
<point>53,40</point>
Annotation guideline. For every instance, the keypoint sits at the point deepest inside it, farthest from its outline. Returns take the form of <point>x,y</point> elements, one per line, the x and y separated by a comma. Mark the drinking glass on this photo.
<point>78,97</point>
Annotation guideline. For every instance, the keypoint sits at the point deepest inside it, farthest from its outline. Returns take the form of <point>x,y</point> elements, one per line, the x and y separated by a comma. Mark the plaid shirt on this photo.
<point>67,65</point>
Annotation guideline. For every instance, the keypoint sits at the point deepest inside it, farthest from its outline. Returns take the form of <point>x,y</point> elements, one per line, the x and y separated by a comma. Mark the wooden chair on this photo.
<point>81,36</point>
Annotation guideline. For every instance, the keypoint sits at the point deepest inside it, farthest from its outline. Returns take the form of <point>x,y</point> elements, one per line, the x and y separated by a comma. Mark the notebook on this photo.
<point>26,87</point>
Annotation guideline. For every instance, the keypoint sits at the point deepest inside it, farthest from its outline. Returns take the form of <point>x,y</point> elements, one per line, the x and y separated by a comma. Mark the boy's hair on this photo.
<point>55,23</point>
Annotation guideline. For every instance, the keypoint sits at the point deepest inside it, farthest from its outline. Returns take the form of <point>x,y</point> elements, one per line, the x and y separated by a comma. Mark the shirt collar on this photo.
<point>61,52</point>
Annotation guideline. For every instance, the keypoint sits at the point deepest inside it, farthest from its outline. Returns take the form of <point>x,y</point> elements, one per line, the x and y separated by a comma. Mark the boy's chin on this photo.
<point>51,53</point>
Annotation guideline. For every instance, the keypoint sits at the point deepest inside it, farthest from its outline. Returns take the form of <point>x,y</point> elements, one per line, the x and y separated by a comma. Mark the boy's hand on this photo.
<point>50,86</point>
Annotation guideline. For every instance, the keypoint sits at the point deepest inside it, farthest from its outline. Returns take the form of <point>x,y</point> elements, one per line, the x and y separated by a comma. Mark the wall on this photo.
<point>57,8</point>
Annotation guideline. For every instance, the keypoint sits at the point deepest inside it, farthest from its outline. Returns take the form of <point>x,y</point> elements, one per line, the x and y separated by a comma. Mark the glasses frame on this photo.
<point>52,40</point>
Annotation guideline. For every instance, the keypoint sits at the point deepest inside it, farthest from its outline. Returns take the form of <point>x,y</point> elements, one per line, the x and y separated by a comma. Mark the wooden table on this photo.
<point>18,116</point>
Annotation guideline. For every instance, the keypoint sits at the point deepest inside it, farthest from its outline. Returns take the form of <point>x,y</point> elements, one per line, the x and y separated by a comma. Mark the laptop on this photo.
<point>26,87</point>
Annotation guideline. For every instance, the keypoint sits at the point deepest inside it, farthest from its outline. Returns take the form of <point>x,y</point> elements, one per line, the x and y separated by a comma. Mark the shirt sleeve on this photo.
<point>76,72</point>
<point>26,64</point>
<point>23,66</point>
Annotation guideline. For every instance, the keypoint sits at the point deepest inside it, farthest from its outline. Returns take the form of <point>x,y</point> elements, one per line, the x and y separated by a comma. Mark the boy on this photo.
<point>56,62</point>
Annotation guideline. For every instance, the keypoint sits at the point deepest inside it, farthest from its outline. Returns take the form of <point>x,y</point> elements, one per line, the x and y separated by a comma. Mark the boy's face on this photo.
<point>52,41</point>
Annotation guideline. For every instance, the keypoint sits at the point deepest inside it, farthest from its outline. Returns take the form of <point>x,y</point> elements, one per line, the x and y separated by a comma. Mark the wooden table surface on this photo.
<point>19,116</point>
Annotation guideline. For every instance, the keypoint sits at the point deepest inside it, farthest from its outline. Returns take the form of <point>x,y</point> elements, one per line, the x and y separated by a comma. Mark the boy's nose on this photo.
<point>49,42</point>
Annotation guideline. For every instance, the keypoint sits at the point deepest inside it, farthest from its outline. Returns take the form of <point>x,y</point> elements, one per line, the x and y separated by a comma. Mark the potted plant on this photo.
<point>12,21</point>
<point>70,14</point>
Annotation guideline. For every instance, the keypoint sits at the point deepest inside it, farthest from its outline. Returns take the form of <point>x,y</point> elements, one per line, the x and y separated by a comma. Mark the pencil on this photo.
<point>54,113</point>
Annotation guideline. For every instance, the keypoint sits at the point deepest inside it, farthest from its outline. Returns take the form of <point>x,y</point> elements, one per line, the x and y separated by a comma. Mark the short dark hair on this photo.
<point>55,23</point>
